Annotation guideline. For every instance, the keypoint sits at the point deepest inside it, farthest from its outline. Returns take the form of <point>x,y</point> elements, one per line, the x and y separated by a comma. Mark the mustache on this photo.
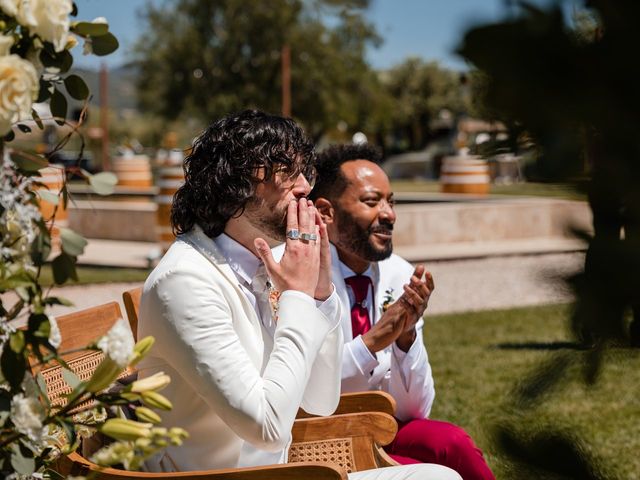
<point>382,228</point>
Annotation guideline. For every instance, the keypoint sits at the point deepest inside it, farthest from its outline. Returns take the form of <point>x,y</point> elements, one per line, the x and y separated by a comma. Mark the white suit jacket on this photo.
<point>237,398</point>
<point>408,379</point>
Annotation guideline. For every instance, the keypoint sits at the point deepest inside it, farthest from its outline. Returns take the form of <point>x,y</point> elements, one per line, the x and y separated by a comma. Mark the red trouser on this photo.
<point>433,441</point>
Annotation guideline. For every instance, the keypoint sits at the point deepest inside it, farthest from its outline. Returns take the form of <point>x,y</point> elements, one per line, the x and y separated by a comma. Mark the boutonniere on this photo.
<point>274,298</point>
<point>387,301</point>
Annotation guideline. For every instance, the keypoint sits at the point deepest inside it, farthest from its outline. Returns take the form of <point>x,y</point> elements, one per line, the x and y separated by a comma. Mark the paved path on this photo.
<point>461,285</point>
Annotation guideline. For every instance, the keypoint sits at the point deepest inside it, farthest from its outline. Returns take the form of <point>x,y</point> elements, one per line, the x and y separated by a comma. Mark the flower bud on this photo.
<point>153,383</point>
<point>104,375</point>
<point>176,435</point>
<point>141,349</point>
<point>145,414</point>
<point>121,429</point>
<point>132,397</point>
<point>156,400</point>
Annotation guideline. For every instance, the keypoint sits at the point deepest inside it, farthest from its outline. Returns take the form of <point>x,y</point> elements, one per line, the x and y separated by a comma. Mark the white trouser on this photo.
<point>417,471</point>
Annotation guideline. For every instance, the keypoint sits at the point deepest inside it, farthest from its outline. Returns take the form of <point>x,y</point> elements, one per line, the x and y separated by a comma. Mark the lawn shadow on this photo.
<point>541,346</point>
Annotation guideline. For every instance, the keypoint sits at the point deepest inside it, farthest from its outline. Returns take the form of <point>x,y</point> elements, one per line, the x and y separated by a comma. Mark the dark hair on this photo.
<point>220,172</point>
<point>330,181</point>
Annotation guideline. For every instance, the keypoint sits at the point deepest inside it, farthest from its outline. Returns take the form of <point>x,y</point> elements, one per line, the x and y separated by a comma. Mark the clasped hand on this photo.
<point>306,264</point>
<point>398,323</point>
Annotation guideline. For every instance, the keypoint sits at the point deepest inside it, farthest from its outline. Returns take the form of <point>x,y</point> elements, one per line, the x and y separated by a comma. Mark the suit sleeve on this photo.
<point>322,394</point>
<point>410,381</point>
<point>196,323</point>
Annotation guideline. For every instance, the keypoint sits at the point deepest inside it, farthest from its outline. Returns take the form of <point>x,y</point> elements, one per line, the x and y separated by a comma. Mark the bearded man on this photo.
<point>246,340</point>
<point>386,298</point>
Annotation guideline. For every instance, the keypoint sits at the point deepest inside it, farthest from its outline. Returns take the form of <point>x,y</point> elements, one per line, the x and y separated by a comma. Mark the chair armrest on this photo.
<point>350,440</point>
<point>381,427</point>
<point>371,401</point>
<point>77,464</point>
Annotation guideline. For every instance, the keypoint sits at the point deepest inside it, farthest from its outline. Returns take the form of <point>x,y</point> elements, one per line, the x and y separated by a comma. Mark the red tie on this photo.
<point>360,322</point>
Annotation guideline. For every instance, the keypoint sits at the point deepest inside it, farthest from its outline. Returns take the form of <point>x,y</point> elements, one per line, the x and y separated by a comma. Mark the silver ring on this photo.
<point>293,234</point>
<point>309,236</point>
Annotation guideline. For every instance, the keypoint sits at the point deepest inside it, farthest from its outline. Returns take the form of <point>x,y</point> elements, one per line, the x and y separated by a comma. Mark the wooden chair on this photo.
<point>322,448</point>
<point>131,299</point>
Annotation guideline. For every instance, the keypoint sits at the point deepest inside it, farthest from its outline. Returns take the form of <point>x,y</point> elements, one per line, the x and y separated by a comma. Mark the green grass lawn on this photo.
<point>478,359</point>
<point>87,275</point>
<point>553,190</point>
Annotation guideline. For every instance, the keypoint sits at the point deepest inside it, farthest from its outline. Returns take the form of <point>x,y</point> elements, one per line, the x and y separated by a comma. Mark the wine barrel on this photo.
<point>169,180</point>
<point>52,179</point>
<point>133,171</point>
<point>465,174</point>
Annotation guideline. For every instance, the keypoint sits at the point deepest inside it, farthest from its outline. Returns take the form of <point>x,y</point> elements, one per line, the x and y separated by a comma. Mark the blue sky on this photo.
<point>426,28</point>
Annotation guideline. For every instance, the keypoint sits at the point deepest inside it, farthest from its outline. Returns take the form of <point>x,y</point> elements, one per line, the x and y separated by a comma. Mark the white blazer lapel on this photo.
<point>207,247</point>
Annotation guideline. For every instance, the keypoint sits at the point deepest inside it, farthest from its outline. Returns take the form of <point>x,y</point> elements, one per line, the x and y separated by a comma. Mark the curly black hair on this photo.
<point>221,170</point>
<point>329,181</point>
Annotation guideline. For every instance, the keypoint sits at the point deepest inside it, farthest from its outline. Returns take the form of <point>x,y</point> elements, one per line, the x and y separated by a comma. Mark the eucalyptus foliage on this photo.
<point>36,38</point>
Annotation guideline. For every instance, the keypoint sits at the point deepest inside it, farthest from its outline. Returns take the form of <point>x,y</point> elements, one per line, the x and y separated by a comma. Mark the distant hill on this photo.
<point>121,91</point>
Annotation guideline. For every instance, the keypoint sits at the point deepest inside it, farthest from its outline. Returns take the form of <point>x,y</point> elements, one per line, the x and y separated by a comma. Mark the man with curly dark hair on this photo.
<point>384,347</point>
<point>246,340</point>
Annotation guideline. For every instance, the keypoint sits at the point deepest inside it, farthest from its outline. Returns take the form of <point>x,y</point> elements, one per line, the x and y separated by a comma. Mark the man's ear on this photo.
<point>325,209</point>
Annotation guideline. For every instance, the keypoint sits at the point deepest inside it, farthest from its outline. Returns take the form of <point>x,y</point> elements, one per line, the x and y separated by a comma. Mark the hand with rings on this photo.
<point>300,266</point>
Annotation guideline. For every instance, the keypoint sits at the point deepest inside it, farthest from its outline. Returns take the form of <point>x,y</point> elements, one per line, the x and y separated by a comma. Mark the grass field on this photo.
<point>88,275</point>
<point>552,190</point>
<point>478,359</point>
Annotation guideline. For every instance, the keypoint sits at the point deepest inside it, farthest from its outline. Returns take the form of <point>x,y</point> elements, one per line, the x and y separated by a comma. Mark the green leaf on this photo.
<point>20,279</point>
<point>76,87</point>
<point>104,44</point>
<point>48,196</point>
<point>13,367</point>
<point>39,325</point>
<point>42,385</point>
<point>45,91</point>
<point>24,128</point>
<point>57,301</point>
<point>64,268</point>
<point>71,378</point>
<point>60,60</point>
<point>86,29</point>
<point>16,341</point>
<point>72,243</point>
<point>52,474</point>
<point>37,119</point>
<point>58,106</point>
<point>103,183</point>
<point>31,163</point>
<point>22,460</point>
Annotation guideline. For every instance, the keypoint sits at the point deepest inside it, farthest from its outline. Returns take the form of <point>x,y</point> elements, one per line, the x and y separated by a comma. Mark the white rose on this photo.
<point>27,415</point>
<point>118,343</point>
<point>6,42</point>
<point>10,7</point>
<point>55,337</point>
<point>19,87</point>
<point>49,19</point>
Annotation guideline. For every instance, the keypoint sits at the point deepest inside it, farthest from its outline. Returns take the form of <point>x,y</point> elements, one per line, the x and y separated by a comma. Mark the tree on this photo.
<point>574,89</point>
<point>204,59</point>
<point>420,91</point>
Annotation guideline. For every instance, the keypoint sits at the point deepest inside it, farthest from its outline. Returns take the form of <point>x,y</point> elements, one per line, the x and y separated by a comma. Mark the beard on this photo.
<point>270,219</point>
<point>357,240</point>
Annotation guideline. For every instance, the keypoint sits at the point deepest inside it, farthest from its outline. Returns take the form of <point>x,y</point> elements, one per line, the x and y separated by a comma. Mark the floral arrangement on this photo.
<point>36,39</point>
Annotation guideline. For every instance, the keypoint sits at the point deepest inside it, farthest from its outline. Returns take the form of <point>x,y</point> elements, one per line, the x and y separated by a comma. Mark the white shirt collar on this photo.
<point>241,260</point>
<point>347,272</point>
